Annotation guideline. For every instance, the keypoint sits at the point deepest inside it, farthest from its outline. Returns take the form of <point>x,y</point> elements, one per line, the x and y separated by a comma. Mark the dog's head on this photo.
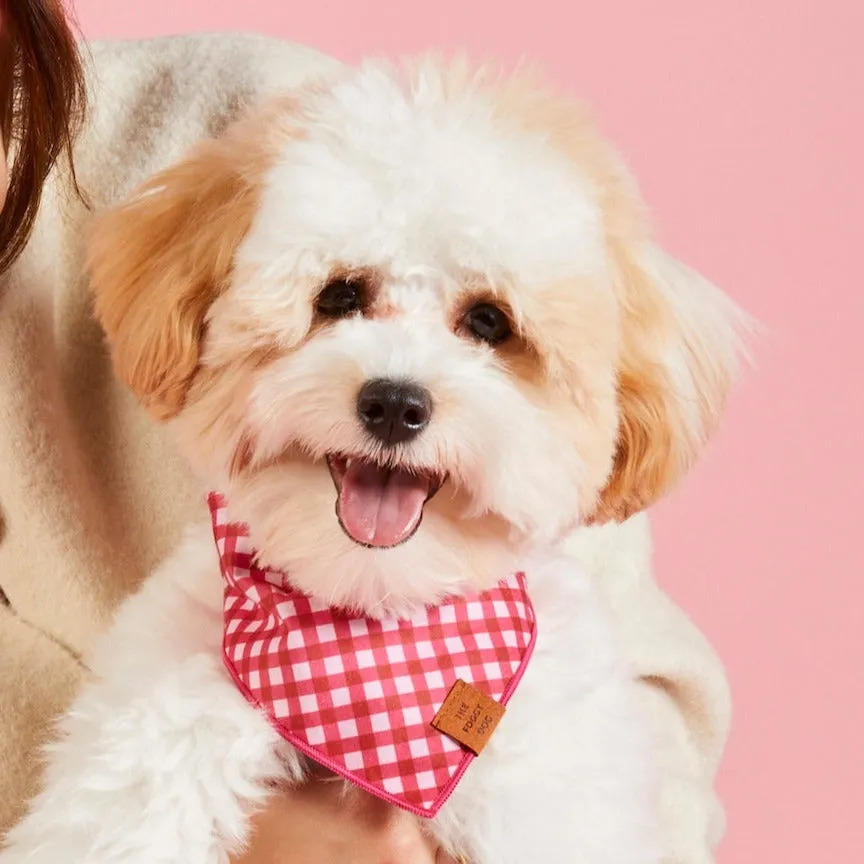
<point>409,321</point>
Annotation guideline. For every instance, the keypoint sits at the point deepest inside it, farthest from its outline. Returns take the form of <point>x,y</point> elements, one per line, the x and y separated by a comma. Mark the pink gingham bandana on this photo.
<point>358,695</point>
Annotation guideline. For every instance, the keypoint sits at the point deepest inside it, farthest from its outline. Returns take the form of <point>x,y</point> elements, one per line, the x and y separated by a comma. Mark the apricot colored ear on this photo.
<point>682,340</point>
<point>159,260</point>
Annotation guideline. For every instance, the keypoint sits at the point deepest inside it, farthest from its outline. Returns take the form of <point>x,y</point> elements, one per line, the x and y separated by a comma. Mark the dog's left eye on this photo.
<point>340,297</point>
<point>488,323</point>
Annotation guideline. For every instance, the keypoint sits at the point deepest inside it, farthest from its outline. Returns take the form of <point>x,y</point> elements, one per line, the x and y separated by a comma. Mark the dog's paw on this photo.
<point>166,774</point>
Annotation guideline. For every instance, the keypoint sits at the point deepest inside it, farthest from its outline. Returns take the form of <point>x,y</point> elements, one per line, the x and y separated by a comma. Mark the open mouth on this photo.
<point>380,507</point>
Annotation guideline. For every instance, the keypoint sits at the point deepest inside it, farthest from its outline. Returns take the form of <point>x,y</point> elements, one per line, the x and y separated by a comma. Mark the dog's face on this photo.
<point>411,323</point>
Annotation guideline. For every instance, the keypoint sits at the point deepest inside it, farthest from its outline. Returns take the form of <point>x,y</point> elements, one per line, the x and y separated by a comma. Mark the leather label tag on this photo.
<point>468,716</point>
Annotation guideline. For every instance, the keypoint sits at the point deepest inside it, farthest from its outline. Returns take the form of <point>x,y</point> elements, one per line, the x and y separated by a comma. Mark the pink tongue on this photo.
<point>380,507</point>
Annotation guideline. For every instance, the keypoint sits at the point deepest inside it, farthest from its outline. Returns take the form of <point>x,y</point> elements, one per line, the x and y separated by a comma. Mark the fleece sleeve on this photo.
<point>682,682</point>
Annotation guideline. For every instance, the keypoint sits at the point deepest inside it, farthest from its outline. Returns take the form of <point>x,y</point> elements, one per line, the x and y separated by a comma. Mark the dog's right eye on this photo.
<point>340,297</point>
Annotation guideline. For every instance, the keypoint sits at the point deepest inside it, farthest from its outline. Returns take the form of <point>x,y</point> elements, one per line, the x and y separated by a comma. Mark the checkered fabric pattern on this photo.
<point>358,695</point>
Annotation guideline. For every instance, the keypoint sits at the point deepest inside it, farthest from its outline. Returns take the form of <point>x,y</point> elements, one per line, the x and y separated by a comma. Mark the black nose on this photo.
<point>394,411</point>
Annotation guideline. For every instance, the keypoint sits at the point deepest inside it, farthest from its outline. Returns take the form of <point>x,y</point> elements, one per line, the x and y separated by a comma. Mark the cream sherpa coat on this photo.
<point>92,497</point>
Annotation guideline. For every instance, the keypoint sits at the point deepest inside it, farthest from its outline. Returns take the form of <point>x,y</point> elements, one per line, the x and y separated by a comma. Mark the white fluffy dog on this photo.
<point>410,322</point>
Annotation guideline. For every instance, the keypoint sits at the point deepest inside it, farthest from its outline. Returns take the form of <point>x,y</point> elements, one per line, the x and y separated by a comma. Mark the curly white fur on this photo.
<point>160,760</point>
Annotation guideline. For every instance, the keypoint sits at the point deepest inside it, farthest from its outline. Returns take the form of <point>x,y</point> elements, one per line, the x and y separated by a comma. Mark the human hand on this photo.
<point>320,822</point>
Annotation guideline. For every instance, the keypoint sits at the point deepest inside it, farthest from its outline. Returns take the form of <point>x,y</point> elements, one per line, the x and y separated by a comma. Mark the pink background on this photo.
<point>743,120</point>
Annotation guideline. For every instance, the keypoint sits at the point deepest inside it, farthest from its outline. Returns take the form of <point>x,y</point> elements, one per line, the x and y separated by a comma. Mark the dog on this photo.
<point>410,322</point>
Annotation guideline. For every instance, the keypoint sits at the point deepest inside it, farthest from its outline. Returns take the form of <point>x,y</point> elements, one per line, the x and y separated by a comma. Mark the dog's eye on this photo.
<point>488,323</point>
<point>340,297</point>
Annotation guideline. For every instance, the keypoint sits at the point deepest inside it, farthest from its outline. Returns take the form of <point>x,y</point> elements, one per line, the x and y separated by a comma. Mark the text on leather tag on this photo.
<point>468,716</point>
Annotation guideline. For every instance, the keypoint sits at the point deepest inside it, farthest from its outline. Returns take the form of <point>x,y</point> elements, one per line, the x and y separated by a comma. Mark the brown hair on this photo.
<point>42,105</point>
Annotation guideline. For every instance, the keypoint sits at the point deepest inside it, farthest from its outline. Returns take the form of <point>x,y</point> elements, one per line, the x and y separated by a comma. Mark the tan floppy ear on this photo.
<point>158,261</point>
<point>682,341</point>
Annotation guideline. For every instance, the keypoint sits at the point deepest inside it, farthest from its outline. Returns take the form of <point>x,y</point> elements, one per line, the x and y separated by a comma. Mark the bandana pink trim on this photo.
<point>358,695</point>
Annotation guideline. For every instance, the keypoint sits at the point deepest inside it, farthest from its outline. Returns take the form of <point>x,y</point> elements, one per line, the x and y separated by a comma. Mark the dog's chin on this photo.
<point>296,513</point>
<point>380,506</point>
